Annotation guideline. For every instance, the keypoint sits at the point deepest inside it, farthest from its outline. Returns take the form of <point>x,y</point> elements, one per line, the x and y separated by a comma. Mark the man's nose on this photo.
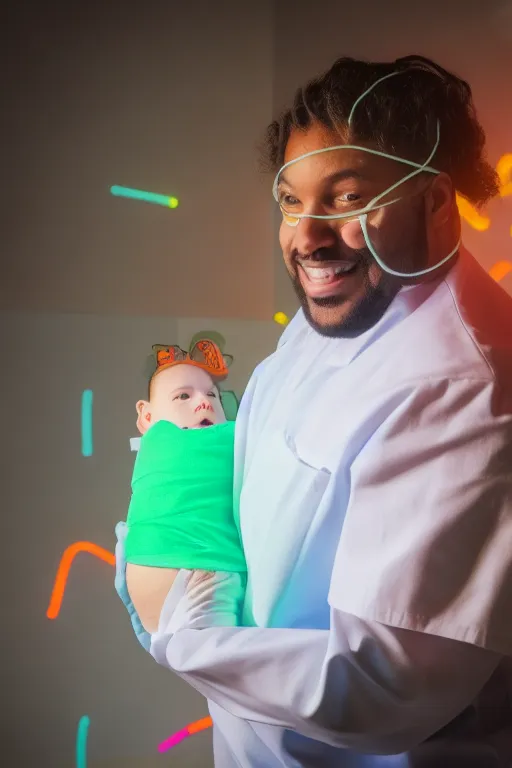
<point>312,235</point>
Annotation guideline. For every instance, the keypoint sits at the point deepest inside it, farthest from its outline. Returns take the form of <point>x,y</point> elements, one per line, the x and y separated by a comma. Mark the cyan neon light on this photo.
<point>87,441</point>
<point>145,197</point>
<point>81,742</point>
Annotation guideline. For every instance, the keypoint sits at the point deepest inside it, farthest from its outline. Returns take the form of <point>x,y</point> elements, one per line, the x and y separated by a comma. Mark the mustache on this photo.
<point>326,255</point>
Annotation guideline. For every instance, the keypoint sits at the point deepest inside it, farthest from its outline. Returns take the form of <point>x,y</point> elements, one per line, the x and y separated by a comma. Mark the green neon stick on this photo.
<point>145,197</point>
<point>81,742</point>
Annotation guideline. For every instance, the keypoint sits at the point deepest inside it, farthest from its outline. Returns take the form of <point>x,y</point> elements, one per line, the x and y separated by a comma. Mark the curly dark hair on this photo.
<point>399,116</point>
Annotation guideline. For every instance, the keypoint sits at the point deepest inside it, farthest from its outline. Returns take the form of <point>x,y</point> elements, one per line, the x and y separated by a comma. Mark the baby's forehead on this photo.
<point>182,375</point>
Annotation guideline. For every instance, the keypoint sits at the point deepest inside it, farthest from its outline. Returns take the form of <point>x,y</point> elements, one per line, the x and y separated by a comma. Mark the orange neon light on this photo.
<point>480,222</point>
<point>469,213</point>
<point>66,561</point>
<point>500,270</point>
<point>184,733</point>
<point>472,216</point>
<point>504,169</point>
<point>199,725</point>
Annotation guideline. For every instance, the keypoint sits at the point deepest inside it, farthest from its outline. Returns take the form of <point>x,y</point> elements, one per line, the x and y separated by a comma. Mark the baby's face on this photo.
<point>186,396</point>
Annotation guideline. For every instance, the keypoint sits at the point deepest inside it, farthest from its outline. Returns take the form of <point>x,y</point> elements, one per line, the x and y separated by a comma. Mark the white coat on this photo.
<point>374,479</point>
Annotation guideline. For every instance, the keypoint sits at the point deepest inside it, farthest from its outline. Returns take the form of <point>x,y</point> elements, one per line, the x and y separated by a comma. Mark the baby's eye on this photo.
<point>212,394</point>
<point>182,396</point>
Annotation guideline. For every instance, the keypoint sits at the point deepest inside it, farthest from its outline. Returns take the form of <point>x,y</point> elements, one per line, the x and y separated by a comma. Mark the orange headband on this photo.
<point>205,354</point>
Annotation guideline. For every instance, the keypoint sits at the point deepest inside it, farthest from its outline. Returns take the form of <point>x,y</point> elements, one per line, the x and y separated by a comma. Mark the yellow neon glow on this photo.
<point>281,318</point>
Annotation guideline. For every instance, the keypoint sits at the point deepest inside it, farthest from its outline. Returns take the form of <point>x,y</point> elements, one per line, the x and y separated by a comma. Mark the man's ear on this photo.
<point>143,409</point>
<point>441,200</point>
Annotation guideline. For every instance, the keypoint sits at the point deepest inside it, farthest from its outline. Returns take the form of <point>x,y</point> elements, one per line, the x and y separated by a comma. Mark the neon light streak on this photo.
<point>145,197</point>
<point>87,441</point>
<point>66,561</point>
<point>500,270</point>
<point>469,213</point>
<point>189,730</point>
<point>472,216</point>
<point>81,742</point>
<point>504,169</point>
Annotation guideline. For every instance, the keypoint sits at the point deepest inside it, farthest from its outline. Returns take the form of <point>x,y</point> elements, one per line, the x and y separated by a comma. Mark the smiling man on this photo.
<point>342,288</point>
<point>373,454</point>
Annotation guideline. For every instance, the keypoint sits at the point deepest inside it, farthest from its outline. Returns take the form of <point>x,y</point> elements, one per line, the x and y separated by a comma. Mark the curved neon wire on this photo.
<point>66,561</point>
<point>372,86</point>
<point>383,266</point>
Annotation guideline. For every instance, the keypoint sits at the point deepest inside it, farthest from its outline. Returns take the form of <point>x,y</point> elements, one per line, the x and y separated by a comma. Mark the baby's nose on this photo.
<point>204,405</point>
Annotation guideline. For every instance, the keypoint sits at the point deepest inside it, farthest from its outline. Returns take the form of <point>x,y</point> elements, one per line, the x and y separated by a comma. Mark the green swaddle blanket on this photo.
<point>181,510</point>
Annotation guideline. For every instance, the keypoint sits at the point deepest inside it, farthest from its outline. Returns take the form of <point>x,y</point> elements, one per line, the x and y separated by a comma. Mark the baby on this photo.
<point>181,510</point>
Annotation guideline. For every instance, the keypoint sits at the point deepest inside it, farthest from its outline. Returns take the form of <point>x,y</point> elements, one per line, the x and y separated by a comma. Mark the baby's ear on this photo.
<point>143,409</point>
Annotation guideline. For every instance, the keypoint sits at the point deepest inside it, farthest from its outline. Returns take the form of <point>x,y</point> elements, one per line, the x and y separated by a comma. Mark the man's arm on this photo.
<point>420,582</point>
<point>361,685</point>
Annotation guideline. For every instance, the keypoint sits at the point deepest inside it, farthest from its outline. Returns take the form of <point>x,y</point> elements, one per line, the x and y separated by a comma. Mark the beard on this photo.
<point>409,256</point>
<point>365,313</point>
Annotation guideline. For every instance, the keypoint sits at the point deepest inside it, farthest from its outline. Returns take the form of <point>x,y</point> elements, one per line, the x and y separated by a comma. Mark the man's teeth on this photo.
<point>326,274</point>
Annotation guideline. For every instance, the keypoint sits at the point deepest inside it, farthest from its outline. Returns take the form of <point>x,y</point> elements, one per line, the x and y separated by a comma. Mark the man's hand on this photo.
<point>203,599</point>
<point>197,599</point>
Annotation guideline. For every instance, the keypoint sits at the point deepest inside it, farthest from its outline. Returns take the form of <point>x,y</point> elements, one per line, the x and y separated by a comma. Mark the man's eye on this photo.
<point>287,201</point>
<point>349,197</point>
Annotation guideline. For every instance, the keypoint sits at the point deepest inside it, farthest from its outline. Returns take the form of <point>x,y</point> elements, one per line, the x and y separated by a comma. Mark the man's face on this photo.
<point>342,289</point>
<point>184,395</point>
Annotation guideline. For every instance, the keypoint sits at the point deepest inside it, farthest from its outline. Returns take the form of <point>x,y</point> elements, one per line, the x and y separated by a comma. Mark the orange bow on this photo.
<point>204,354</point>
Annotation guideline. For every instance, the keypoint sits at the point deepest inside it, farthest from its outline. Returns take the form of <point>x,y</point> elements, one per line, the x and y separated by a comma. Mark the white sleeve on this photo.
<point>427,536</point>
<point>360,685</point>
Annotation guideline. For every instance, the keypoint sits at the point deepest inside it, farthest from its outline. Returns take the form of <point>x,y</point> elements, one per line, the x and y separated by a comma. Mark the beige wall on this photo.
<point>86,661</point>
<point>169,97</point>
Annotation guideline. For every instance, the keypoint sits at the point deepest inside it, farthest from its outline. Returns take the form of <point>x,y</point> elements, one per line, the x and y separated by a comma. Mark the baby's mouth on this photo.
<point>205,423</point>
